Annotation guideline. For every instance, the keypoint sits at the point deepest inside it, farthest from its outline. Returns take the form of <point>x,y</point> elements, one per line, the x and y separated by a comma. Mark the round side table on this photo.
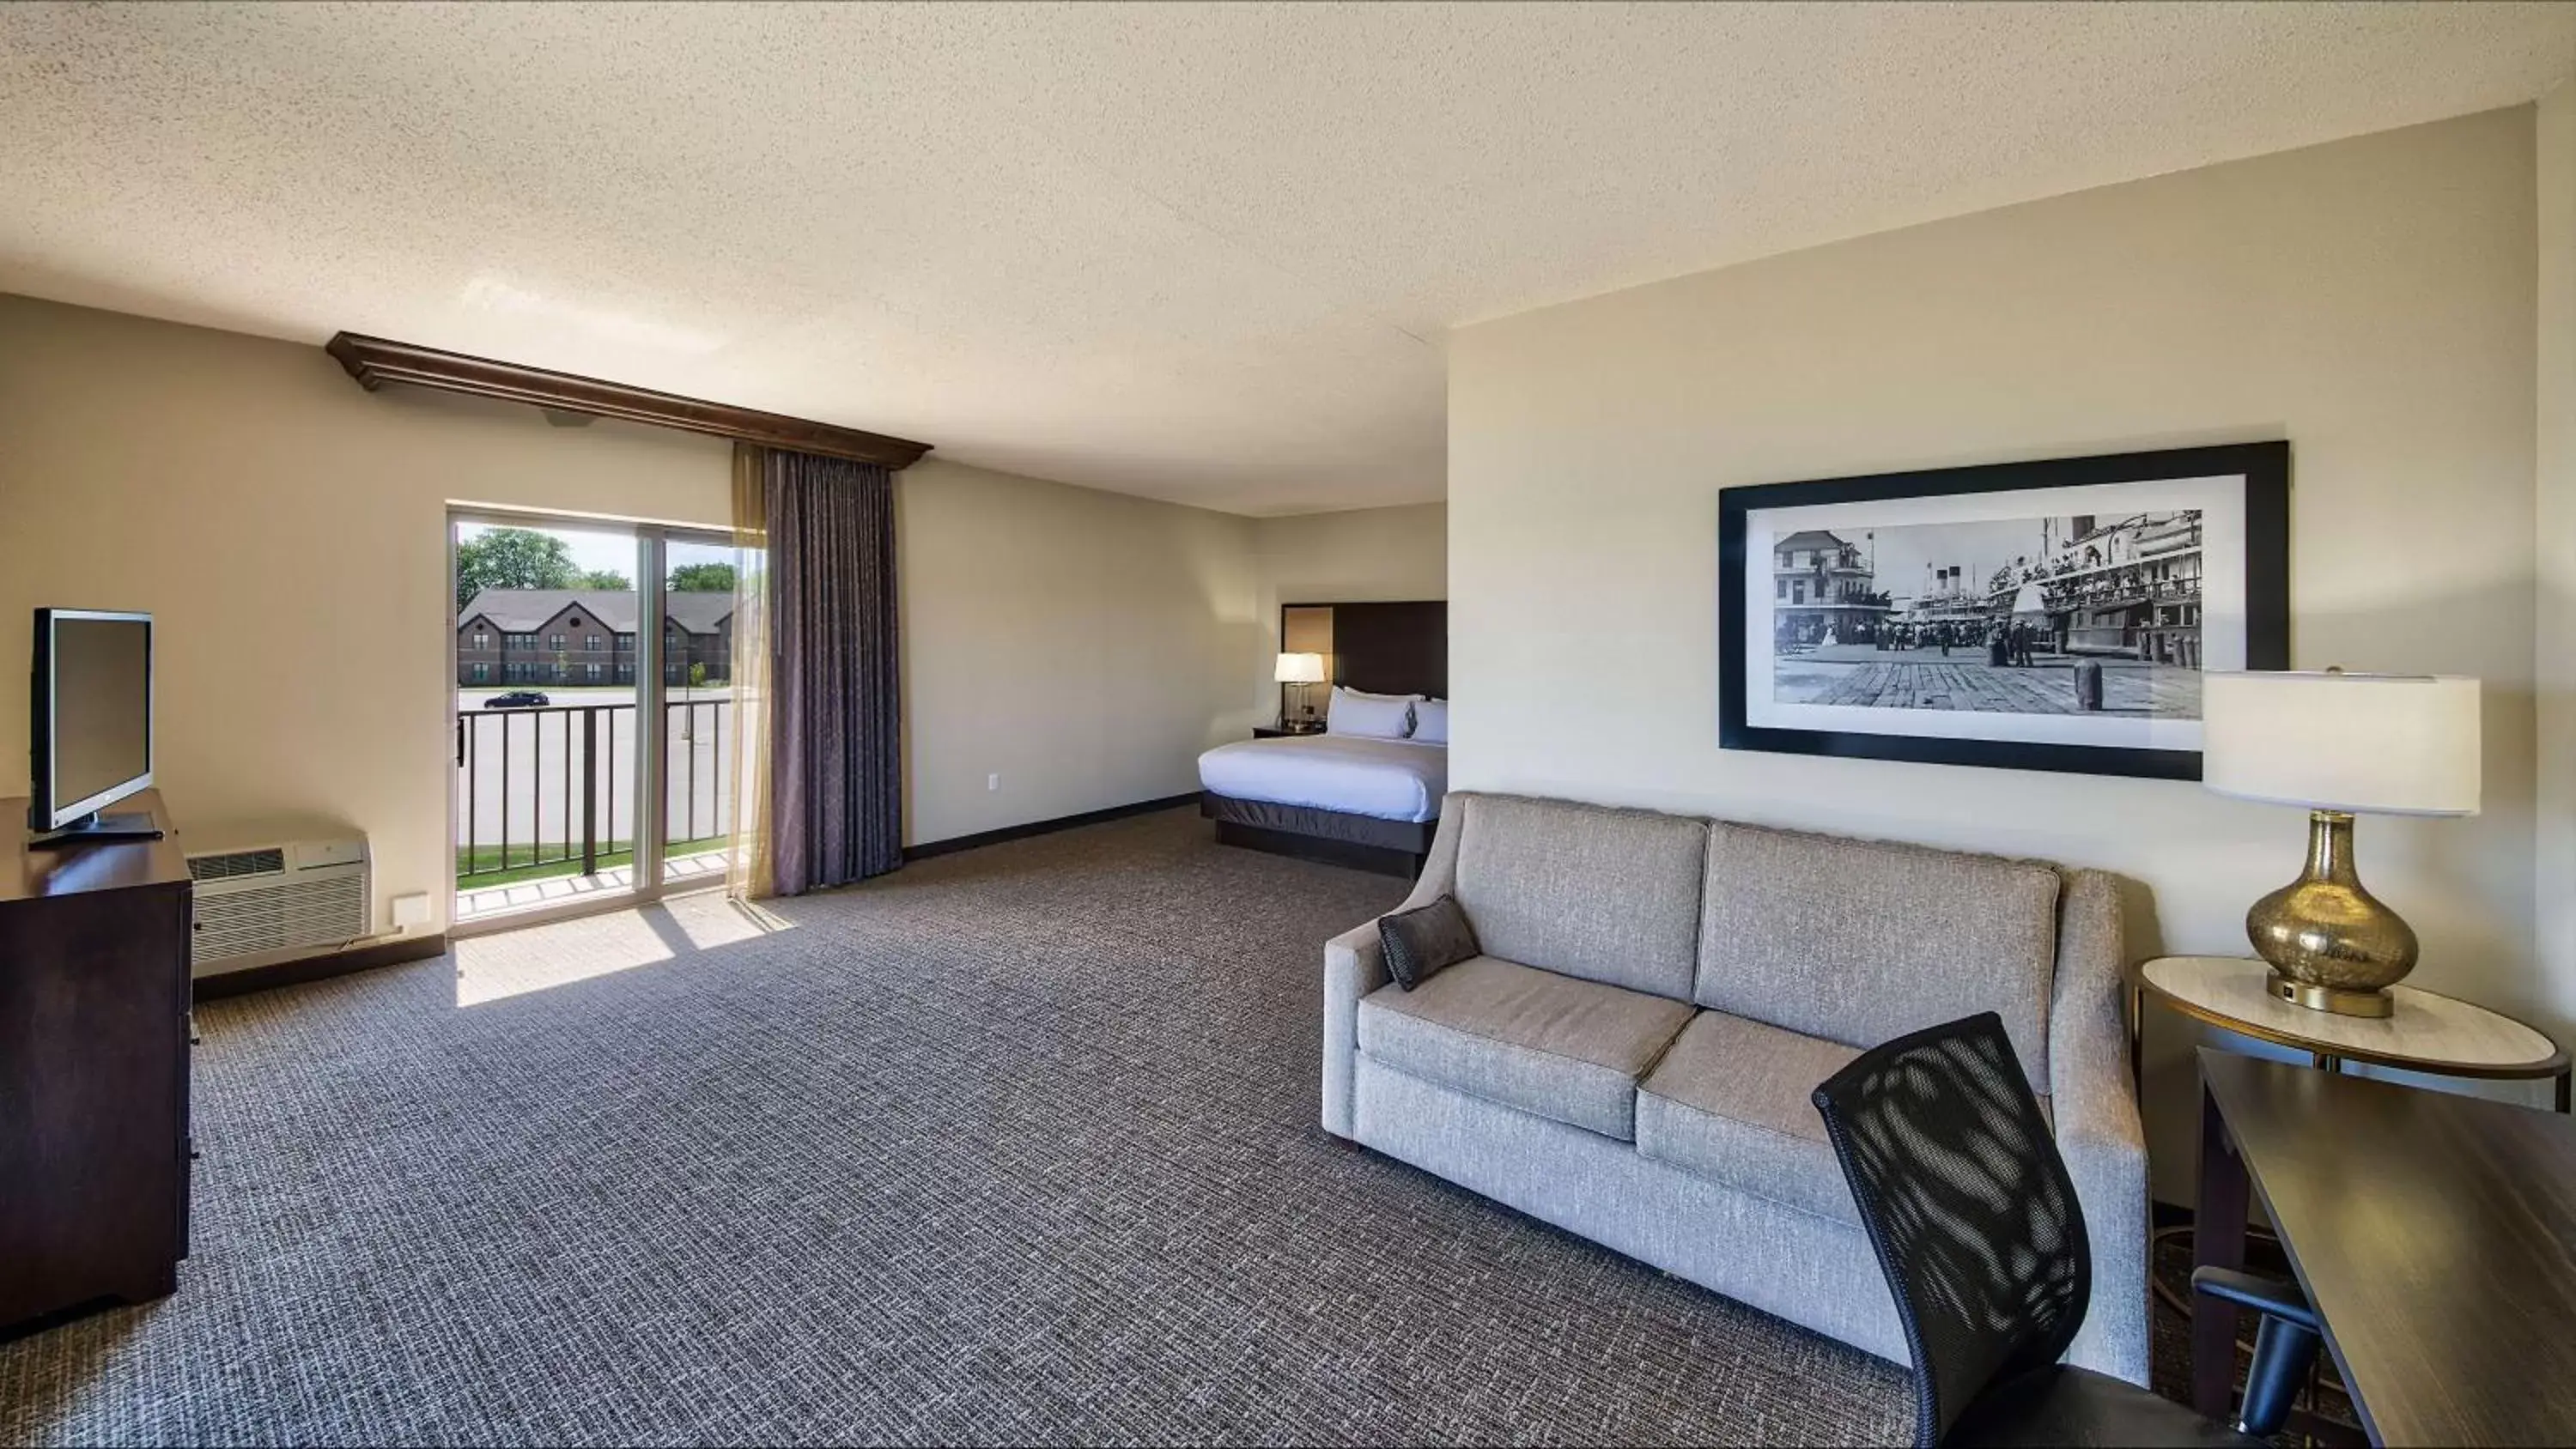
<point>2430,1033</point>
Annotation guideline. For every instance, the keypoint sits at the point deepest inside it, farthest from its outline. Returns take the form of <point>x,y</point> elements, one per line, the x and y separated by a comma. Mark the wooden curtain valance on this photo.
<point>375,361</point>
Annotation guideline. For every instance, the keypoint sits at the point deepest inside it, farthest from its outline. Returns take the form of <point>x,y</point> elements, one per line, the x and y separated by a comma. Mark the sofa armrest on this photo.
<point>2094,1106</point>
<point>1355,965</point>
<point>1440,864</point>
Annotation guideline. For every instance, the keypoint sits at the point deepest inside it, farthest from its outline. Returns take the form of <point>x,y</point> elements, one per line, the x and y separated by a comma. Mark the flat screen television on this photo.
<point>90,727</point>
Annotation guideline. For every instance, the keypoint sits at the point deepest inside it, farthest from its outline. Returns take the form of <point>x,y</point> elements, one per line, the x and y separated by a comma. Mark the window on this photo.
<point>482,639</point>
<point>626,672</point>
<point>555,642</point>
<point>519,641</point>
<point>626,642</point>
<point>482,672</point>
<point>592,644</point>
<point>1779,588</point>
<point>596,670</point>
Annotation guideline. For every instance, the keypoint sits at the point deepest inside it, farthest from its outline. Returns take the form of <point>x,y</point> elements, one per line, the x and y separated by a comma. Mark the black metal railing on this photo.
<point>544,786</point>
<point>695,727</point>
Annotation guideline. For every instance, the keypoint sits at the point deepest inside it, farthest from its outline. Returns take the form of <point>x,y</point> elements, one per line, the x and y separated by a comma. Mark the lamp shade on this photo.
<point>1301,669</point>
<point>2378,743</point>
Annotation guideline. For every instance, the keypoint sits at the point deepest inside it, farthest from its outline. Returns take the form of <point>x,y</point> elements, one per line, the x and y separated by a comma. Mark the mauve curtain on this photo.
<point>836,759</point>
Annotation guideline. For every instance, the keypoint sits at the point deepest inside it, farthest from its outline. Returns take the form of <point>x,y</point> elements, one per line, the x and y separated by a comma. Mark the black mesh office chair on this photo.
<point>1976,1226</point>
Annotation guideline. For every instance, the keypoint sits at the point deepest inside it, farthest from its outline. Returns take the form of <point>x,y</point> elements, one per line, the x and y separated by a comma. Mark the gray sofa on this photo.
<point>1631,1058</point>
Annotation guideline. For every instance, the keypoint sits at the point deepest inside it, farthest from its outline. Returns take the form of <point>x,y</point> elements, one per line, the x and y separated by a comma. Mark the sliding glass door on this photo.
<point>592,717</point>
<point>699,716</point>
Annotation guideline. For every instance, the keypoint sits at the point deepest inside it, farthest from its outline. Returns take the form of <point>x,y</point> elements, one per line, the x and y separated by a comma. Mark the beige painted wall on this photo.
<point>288,532</point>
<point>2371,300</point>
<point>2554,662</point>
<point>1360,555</point>
<point>1084,646</point>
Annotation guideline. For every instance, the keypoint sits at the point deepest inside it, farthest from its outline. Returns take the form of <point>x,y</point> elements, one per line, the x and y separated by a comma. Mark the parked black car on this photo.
<point>517,699</point>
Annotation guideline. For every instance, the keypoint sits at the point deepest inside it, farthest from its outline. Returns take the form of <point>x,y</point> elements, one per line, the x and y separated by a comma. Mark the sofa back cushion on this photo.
<point>1860,942</point>
<point>1584,890</point>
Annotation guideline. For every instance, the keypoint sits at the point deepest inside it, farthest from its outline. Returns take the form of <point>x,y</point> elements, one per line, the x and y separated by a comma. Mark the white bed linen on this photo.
<point>1377,716</point>
<point>1390,779</point>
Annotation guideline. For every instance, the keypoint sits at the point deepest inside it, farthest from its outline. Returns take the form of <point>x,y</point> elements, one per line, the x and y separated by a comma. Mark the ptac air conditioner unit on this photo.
<point>259,903</point>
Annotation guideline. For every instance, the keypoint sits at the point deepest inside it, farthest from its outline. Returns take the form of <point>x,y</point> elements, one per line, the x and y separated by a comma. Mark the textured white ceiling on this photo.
<point>1204,253</point>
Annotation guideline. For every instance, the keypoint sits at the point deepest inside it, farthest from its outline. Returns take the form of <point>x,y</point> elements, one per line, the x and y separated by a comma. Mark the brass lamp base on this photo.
<point>2329,998</point>
<point>2332,945</point>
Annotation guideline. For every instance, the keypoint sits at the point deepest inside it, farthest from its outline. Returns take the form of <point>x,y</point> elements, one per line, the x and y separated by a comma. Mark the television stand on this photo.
<point>93,1074</point>
<point>98,829</point>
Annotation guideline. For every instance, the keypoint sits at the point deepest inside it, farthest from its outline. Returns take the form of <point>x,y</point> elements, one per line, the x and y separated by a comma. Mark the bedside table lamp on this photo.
<point>1301,670</point>
<point>2339,744</point>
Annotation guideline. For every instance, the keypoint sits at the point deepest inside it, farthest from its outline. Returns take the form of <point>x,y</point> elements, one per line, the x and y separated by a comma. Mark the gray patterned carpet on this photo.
<point>1017,1145</point>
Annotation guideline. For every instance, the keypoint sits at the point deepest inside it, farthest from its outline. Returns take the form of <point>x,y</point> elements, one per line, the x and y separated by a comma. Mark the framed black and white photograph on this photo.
<point>2052,615</point>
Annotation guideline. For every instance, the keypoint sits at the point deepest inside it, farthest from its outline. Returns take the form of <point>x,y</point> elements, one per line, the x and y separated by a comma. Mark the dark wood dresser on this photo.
<point>93,1069</point>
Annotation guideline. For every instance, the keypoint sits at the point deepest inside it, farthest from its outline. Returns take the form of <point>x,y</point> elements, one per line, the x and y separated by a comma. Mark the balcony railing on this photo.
<point>553,786</point>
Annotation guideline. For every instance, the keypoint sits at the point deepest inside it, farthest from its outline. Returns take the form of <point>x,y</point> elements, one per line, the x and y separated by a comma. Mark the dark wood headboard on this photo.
<point>1390,648</point>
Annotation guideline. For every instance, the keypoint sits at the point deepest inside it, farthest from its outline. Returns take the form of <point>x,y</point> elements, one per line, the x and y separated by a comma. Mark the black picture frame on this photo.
<point>2265,470</point>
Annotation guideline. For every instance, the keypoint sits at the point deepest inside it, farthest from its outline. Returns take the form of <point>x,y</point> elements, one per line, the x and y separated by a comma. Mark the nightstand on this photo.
<point>1277,732</point>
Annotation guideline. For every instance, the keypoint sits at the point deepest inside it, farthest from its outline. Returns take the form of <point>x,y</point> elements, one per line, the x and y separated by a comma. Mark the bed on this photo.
<point>1351,800</point>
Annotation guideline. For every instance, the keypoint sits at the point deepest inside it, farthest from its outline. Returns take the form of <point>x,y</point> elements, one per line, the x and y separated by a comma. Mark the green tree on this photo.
<point>697,676</point>
<point>512,558</point>
<point>609,579</point>
<point>702,578</point>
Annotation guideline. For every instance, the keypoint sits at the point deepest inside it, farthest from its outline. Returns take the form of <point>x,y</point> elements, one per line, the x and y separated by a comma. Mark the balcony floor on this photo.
<point>680,872</point>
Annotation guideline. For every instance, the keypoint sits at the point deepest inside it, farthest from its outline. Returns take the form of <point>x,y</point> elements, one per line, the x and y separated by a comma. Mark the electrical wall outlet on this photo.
<point>412,910</point>
<point>992,782</point>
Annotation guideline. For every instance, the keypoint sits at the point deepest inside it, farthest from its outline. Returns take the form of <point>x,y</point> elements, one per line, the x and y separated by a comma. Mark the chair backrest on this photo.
<point>1968,1207</point>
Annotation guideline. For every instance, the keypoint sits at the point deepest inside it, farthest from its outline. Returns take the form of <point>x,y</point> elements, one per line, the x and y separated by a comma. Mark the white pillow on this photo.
<point>1374,716</point>
<point>1431,722</point>
<point>1364,694</point>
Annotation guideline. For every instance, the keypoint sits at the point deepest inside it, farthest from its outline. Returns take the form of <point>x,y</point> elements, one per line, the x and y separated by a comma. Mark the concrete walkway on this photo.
<point>1856,674</point>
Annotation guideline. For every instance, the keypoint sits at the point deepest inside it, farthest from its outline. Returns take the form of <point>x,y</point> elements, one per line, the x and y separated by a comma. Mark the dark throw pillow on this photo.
<point>1421,941</point>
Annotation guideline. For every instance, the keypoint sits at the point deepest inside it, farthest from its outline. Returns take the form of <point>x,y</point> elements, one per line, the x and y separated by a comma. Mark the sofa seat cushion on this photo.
<point>1730,1103</point>
<point>1550,1045</point>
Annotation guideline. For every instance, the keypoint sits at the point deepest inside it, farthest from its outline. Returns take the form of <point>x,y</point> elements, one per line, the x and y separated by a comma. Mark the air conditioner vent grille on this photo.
<point>324,911</point>
<point>239,862</point>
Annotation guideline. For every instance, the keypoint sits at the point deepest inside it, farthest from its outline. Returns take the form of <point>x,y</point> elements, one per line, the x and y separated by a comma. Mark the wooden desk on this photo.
<point>2432,1232</point>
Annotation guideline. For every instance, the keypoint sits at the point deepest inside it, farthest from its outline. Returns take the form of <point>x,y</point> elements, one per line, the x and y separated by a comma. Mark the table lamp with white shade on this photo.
<point>2339,744</point>
<point>1301,670</point>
